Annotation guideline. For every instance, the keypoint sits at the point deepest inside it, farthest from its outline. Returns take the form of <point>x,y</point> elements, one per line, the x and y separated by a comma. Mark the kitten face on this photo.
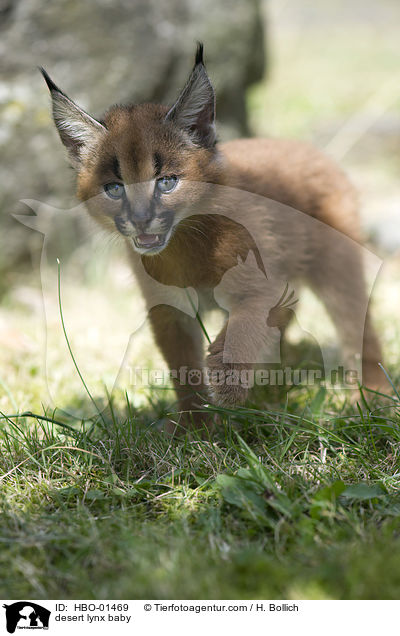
<point>141,179</point>
<point>138,168</point>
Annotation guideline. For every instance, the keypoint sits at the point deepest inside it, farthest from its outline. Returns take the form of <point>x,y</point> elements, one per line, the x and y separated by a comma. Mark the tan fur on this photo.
<point>206,244</point>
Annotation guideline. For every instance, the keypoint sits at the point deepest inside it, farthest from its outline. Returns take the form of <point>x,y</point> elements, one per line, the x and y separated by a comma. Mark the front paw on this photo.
<point>228,383</point>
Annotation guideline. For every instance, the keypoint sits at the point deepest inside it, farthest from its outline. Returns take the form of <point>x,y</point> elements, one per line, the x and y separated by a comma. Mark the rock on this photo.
<point>101,52</point>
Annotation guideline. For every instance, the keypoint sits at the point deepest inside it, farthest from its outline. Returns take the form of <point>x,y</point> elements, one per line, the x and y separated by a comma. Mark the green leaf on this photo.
<point>243,494</point>
<point>259,473</point>
<point>363,491</point>
<point>331,492</point>
<point>324,501</point>
<point>119,492</point>
<point>68,491</point>
<point>264,481</point>
<point>94,494</point>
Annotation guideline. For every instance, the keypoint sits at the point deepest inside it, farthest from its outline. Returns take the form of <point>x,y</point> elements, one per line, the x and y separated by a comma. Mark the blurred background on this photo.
<point>324,72</point>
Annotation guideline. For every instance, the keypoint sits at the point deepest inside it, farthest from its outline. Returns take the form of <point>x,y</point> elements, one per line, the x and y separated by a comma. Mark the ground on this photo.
<point>298,500</point>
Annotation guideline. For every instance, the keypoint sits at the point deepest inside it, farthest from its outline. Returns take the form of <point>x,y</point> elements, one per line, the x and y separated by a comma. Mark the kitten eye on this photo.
<point>114,190</point>
<point>166,184</point>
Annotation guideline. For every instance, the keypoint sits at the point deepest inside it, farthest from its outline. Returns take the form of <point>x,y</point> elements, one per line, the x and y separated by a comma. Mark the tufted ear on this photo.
<point>194,111</point>
<point>78,130</point>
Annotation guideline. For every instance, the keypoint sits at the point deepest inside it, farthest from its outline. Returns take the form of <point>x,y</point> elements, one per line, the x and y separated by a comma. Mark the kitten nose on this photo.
<point>141,223</point>
<point>140,201</point>
<point>141,218</point>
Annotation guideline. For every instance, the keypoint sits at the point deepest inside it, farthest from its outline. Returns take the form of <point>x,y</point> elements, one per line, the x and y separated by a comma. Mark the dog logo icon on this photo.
<point>26,615</point>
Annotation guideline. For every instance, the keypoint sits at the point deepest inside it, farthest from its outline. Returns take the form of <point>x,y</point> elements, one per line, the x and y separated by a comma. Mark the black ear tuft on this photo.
<point>78,131</point>
<point>50,84</point>
<point>199,54</point>
<point>194,110</point>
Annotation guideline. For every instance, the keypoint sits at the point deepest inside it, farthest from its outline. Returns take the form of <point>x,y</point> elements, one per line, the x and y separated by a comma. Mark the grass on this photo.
<point>298,503</point>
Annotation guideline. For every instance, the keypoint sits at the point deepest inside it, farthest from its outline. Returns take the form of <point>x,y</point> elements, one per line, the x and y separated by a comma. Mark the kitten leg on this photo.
<point>180,340</point>
<point>339,282</point>
<point>244,341</point>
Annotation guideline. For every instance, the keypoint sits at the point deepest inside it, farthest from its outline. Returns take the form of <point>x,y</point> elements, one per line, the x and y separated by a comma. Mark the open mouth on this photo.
<point>149,241</point>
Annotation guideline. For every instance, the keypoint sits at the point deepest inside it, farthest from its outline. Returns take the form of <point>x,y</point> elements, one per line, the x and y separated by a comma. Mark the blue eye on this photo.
<point>166,184</point>
<point>114,190</point>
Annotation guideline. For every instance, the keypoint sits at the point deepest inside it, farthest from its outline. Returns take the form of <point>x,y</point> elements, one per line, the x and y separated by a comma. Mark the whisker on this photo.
<point>192,226</point>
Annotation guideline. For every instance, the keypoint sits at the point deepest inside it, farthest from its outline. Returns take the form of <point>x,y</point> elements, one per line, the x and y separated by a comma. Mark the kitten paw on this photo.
<point>228,384</point>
